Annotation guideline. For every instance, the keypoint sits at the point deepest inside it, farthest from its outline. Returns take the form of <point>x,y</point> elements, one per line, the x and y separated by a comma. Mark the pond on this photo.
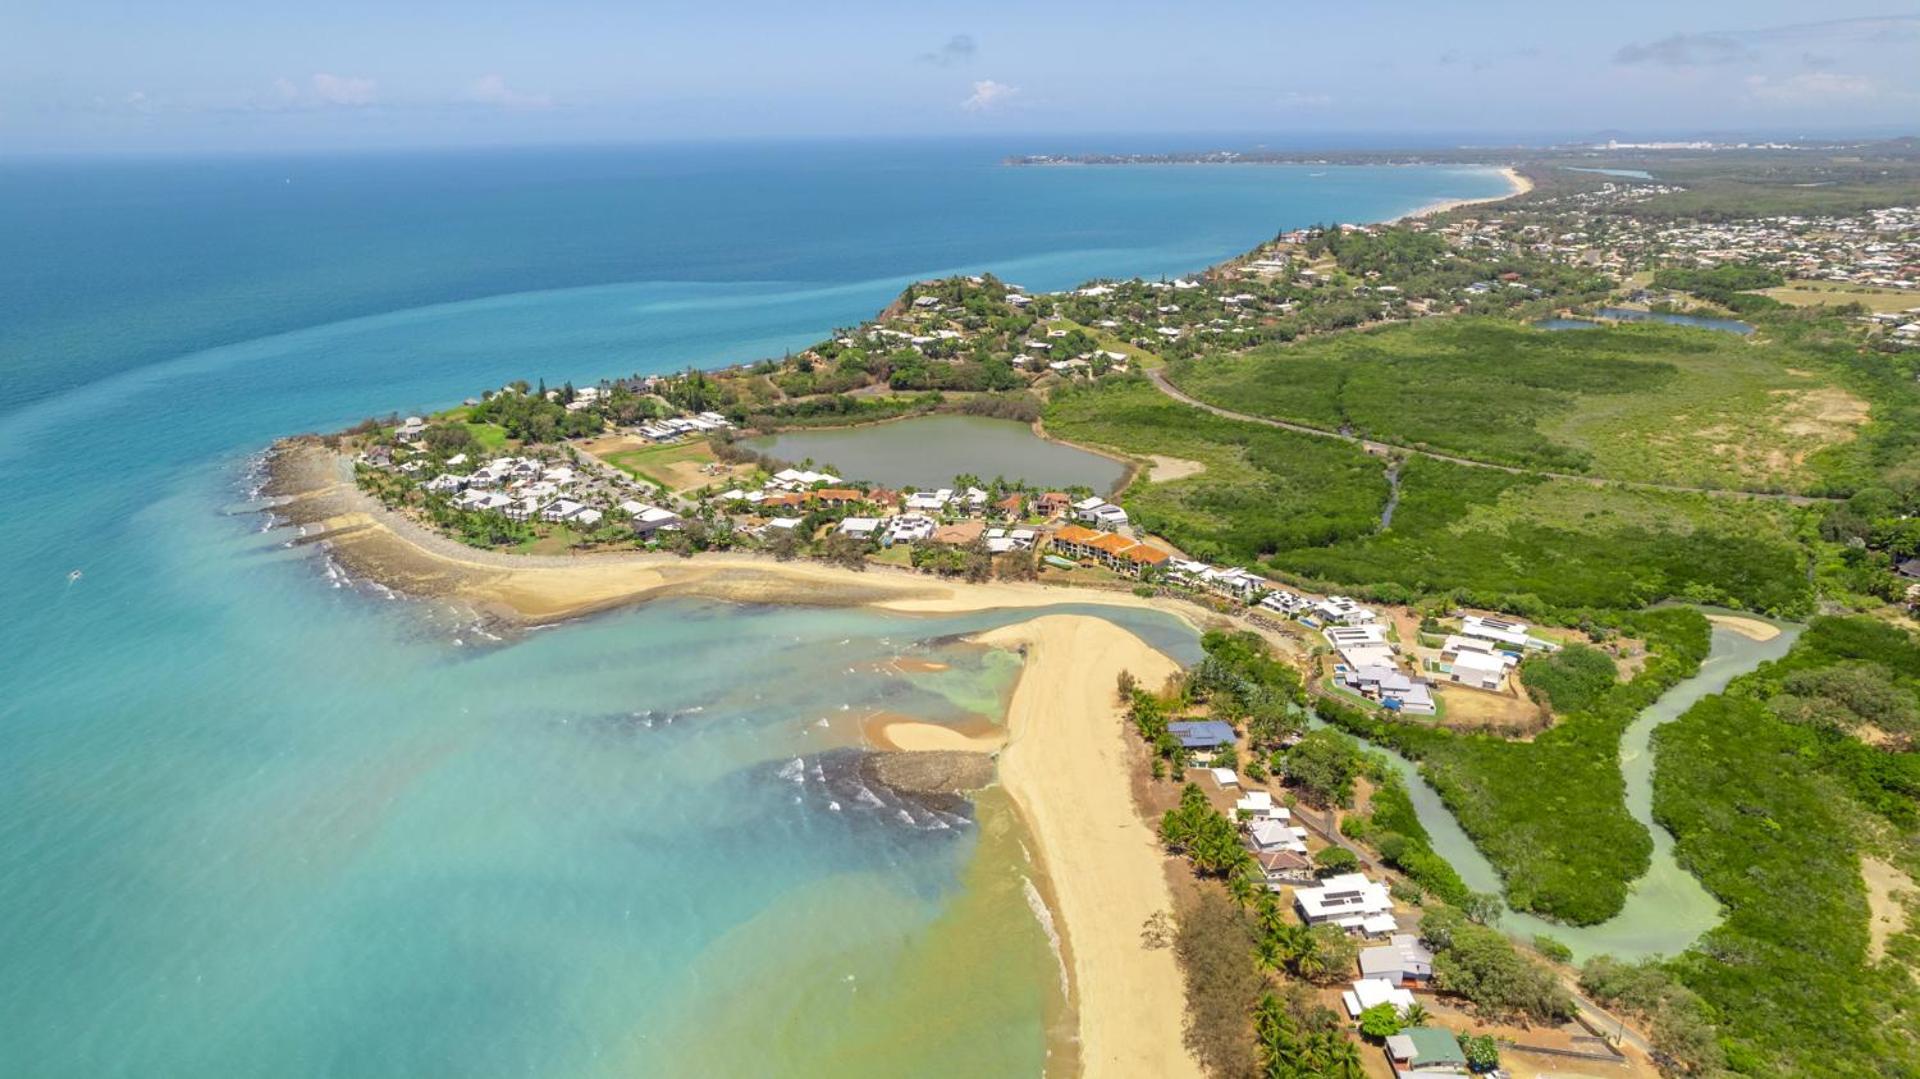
<point>1628,314</point>
<point>929,451</point>
<point>1667,908</point>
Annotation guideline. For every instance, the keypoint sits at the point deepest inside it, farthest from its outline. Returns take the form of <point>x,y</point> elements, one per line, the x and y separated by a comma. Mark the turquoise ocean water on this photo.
<point>259,820</point>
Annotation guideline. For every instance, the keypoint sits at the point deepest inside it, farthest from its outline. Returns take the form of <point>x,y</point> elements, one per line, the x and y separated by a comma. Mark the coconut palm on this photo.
<point>1416,1015</point>
<point>1341,1058</point>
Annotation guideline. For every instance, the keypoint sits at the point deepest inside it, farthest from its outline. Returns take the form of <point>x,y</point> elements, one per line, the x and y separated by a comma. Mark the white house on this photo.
<point>859,527</point>
<point>909,528</point>
<point>1372,992</point>
<point>1479,670</point>
<point>1346,900</point>
<point>1342,610</point>
<point>560,509</point>
<point>1502,631</point>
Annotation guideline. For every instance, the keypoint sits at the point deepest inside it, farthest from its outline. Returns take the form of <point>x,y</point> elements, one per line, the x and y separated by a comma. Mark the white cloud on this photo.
<point>988,95</point>
<point>1295,99</point>
<point>1809,88</point>
<point>341,90</point>
<point>493,90</point>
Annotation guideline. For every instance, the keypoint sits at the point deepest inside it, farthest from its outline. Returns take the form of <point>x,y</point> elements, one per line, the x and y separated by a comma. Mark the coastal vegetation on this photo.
<point>1392,828</point>
<point>1550,813</point>
<point>1773,809</point>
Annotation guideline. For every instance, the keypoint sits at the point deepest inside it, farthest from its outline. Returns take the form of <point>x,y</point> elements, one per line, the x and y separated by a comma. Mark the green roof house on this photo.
<point>1418,1052</point>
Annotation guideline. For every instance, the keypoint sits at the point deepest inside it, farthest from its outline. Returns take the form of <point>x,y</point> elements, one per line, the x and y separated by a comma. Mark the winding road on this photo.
<point>1385,449</point>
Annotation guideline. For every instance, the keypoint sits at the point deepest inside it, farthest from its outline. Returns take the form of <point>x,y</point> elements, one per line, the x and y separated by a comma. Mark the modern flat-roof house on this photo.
<point>1479,670</point>
<point>1347,900</point>
<point>1502,631</point>
<point>1342,610</point>
<point>1202,733</point>
<point>1393,688</point>
<point>1402,960</point>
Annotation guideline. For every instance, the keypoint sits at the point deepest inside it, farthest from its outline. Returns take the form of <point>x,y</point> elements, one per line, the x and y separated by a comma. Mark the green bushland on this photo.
<point>1570,680</point>
<point>1729,285</point>
<point>1308,509</point>
<point>1551,814</point>
<point>1773,814</point>
<point>1262,489</point>
<point>1644,402</point>
<point>1530,545</point>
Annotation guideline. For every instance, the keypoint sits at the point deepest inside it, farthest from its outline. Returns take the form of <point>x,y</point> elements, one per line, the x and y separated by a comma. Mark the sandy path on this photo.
<point>1887,915</point>
<point>1067,769</point>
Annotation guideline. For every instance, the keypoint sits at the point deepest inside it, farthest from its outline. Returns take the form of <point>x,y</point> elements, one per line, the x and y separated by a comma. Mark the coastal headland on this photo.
<point>313,490</point>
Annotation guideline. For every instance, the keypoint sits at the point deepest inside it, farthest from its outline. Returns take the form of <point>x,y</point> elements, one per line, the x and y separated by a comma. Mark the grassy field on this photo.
<point>1656,404</point>
<point>1308,508</point>
<point>677,467</point>
<point>1810,293</point>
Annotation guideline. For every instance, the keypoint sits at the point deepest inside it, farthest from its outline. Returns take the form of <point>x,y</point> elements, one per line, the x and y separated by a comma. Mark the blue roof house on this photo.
<point>1202,734</point>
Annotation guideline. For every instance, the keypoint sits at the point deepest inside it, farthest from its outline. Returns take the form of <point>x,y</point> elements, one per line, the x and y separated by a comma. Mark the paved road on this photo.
<point>1159,377</point>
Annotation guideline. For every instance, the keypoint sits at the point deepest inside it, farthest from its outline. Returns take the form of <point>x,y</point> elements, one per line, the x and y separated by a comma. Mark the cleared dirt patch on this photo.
<point>1887,889</point>
<point>1167,469</point>
<point>1828,414</point>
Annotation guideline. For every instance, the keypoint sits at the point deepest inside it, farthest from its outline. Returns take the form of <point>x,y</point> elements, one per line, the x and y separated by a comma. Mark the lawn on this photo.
<point>1809,293</point>
<point>676,467</point>
<point>1650,403</point>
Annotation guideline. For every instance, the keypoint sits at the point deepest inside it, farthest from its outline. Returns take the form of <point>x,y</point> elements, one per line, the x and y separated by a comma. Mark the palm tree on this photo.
<point>1341,1059</point>
<point>1311,963</point>
<point>1416,1015</point>
<point>1268,954</point>
<point>1291,942</point>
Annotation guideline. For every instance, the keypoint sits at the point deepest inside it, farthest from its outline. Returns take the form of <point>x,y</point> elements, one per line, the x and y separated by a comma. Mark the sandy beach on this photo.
<point>1066,767</point>
<point>1521,185</point>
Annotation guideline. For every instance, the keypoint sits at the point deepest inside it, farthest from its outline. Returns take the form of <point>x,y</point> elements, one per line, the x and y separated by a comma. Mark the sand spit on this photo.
<point>1067,769</point>
<point>1750,628</point>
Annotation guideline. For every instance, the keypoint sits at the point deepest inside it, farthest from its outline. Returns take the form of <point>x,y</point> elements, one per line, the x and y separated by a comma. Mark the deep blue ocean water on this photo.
<point>256,820</point>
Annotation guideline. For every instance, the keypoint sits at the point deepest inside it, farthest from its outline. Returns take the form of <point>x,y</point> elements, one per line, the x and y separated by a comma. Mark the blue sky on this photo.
<point>188,75</point>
